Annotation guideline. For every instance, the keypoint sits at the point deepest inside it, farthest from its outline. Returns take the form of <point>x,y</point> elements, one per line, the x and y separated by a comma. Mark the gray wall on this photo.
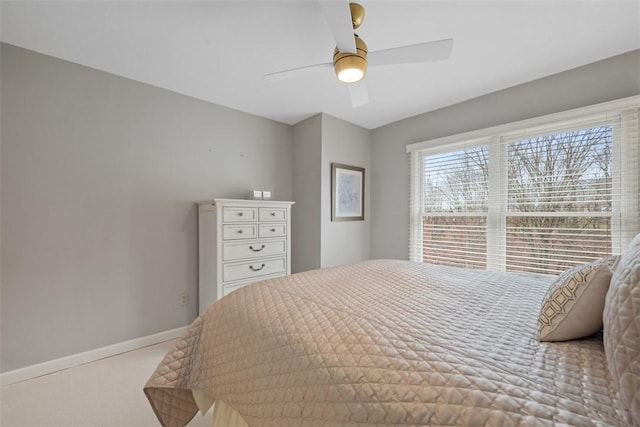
<point>344,242</point>
<point>316,240</point>
<point>99,175</point>
<point>307,193</point>
<point>613,78</point>
<point>99,179</point>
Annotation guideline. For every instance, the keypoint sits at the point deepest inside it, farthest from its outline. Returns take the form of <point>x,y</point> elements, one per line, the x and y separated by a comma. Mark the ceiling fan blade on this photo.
<point>359,94</point>
<point>421,52</point>
<point>297,72</point>
<point>338,17</point>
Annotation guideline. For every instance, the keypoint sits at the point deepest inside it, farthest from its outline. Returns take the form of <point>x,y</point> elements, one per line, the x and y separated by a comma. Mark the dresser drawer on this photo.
<point>272,214</point>
<point>272,230</point>
<point>246,270</point>
<point>231,214</point>
<point>234,232</point>
<point>232,251</point>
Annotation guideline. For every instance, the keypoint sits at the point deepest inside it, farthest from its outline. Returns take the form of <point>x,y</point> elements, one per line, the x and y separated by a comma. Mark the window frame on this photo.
<point>496,140</point>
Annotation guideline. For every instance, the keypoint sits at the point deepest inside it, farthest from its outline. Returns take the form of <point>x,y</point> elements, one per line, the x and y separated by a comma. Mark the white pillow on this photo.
<point>622,327</point>
<point>573,305</point>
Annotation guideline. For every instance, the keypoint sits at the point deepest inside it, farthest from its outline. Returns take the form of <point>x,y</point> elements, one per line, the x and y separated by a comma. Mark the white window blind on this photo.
<point>454,202</point>
<point>539,199</point>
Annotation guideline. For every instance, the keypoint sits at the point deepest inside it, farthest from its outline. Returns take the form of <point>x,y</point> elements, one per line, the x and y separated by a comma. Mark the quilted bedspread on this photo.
<point>386,343</point>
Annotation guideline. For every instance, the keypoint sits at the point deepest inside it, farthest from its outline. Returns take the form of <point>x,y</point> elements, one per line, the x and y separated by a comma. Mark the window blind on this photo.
<point>455,193</point>
<point>538,199</point>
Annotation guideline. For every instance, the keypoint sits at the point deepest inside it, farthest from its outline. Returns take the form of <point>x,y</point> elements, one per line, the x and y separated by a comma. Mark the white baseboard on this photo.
<point>44,368</point>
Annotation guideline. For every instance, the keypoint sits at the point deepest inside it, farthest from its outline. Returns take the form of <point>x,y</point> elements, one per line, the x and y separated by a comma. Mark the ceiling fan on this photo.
<point>351,56</point>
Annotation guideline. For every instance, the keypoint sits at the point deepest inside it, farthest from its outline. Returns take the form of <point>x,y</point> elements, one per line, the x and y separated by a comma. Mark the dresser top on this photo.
<point>245,202</point>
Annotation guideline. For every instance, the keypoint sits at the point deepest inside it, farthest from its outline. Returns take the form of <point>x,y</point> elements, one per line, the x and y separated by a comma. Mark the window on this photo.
<point>536,199</point>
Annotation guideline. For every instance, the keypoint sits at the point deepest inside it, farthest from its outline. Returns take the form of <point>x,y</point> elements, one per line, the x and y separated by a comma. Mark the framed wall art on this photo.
<point>347,193</point>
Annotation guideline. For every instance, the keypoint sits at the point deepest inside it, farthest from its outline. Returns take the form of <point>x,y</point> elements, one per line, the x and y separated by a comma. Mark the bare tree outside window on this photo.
<point>456,187</point>
<point>566,174</point>
<point>558,203</point>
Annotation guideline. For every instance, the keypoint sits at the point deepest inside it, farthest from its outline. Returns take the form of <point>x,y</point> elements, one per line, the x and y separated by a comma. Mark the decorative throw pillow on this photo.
<point>573,305</point>
<point>612,261</point>
<point>622,328</point>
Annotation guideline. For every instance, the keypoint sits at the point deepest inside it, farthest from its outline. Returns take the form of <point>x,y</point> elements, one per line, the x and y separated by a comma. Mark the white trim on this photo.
<point>496,218</point>
<point>51,366</point>
<point>415,212</point>
<point>619,104</point>
<point>524,214</point>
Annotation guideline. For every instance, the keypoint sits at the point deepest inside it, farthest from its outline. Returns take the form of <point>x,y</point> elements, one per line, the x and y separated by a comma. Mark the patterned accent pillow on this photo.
<point>622,328</point>
<point>612,261</point>
<point>573,305</point>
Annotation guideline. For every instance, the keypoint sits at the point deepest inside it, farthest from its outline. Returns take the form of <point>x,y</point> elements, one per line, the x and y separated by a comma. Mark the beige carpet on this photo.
<point>103,393</point>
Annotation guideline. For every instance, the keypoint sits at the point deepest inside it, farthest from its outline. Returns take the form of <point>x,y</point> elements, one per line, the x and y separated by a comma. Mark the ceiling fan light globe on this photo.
<point>350,68</point>
<point>350,75</point>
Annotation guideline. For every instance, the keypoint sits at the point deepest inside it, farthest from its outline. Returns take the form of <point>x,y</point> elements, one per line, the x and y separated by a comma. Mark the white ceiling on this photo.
<point>218,51</point>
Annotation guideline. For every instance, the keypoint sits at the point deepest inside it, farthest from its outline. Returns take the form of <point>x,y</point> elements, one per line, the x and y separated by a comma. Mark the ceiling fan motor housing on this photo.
<point>351,67</point>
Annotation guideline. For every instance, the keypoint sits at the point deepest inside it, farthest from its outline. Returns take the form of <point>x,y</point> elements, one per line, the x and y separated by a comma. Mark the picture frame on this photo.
<point>347,192</point>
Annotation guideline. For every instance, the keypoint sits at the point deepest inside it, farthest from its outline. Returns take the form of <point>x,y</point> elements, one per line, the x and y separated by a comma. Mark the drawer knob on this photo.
<point>256,250</point>
<point>239,213</point>
<point>239,231</point>
<point>273,214</point>
<point>252,268</point>
<point>273,230</point>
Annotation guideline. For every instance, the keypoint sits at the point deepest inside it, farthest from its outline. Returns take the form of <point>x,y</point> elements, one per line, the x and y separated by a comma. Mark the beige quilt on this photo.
<point>386,343</point>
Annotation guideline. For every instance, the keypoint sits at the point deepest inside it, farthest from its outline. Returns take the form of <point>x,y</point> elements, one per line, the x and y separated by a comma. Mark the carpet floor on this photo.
<point>105,393</point>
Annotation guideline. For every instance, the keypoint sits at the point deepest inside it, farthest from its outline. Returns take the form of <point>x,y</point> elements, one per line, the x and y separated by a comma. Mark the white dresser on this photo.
<point>241,242</point>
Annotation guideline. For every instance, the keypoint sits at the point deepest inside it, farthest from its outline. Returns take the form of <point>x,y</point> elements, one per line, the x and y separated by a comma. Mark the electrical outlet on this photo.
<point>184,299</point>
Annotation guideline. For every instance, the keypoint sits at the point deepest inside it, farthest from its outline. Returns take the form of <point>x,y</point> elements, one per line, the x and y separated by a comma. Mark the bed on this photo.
<point>389,342</point>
